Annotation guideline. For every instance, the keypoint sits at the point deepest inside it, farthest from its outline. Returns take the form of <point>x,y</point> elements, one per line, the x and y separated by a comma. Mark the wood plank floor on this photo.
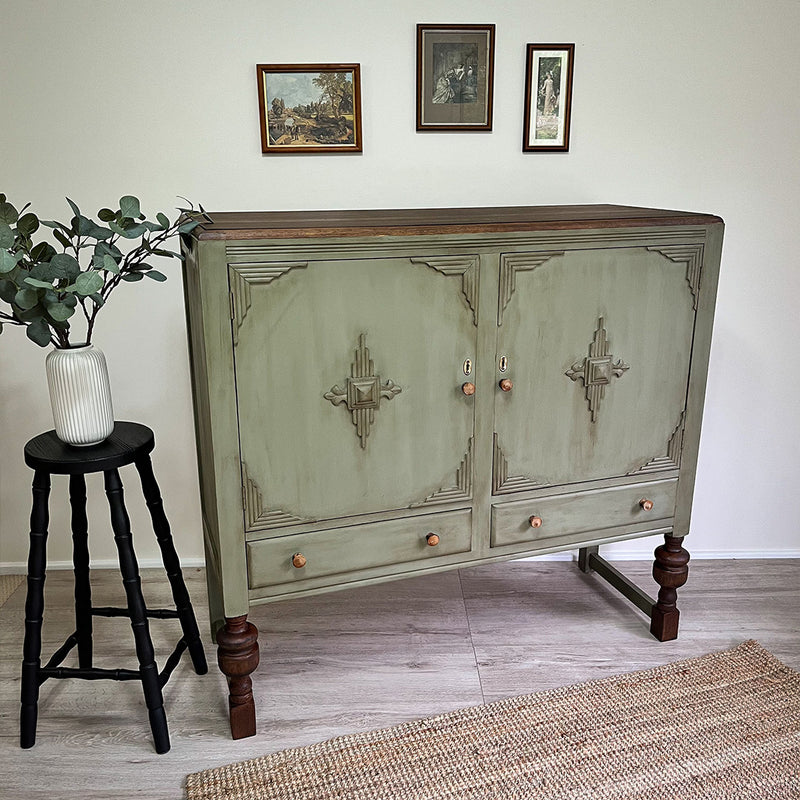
<point>360,659</point>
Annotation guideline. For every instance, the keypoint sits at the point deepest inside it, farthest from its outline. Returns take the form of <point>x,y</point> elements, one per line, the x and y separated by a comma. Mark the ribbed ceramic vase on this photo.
<point>80,395</point>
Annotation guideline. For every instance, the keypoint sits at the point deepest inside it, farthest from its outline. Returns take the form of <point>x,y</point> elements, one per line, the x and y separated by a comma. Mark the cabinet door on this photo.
<point>598,346</point>
<point>348,377</point>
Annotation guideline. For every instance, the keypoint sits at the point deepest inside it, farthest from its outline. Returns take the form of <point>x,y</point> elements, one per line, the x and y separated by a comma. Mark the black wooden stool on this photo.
<point>130,443</point>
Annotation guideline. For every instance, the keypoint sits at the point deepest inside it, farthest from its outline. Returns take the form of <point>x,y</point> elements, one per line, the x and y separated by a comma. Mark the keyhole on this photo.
<point>503,363</point>
<point>468,367</point>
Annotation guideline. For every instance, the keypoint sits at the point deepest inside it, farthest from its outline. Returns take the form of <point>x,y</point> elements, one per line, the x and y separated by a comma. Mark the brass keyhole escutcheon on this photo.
<point>503,365</point>
<point>468,367</point>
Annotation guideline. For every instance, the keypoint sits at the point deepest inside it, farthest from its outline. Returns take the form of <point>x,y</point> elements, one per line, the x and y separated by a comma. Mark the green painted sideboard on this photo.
<point>381,394</point>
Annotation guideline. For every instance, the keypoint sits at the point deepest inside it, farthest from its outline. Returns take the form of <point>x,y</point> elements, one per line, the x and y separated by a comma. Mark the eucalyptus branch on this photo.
<point>44,288</point>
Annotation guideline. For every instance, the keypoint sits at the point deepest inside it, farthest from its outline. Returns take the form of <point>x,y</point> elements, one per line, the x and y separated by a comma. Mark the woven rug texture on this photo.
<point>723,726</point>
<point>8,585</point>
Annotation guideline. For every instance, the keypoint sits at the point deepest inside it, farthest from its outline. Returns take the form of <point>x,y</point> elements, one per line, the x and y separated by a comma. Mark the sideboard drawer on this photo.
<point>560,517</point>
<point>400,544</point>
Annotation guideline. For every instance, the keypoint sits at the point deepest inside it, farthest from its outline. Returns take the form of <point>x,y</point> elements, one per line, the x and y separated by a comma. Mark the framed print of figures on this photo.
<point>455,74</point>
<point>310,108</point>
<point>548,97</point>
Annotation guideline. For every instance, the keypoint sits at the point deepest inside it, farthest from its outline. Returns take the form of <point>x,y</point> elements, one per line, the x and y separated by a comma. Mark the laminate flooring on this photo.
<point>360,659</point>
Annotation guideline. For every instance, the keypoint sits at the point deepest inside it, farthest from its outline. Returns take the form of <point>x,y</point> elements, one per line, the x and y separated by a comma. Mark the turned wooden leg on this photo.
<point>670,571</point>
<point>34,610</point>
<point>237,657</point>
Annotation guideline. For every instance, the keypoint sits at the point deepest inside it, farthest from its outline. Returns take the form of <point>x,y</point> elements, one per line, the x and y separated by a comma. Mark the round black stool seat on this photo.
<point>127,444</point>
<point>46,454</point>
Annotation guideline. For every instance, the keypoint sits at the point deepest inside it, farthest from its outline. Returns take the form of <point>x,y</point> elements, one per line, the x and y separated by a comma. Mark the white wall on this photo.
<point>676,104</point>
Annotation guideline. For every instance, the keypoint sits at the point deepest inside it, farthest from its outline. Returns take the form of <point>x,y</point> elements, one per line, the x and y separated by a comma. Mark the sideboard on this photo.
<point>380,394</point>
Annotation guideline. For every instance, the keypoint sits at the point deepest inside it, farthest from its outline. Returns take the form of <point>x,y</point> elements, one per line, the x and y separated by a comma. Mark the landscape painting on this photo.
<point>308,108</point>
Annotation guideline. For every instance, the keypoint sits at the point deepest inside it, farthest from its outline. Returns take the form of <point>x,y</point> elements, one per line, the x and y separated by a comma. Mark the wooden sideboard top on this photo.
<point>431,221</point>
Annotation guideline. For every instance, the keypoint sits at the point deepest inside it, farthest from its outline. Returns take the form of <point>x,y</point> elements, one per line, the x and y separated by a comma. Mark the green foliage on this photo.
<point>43,288</point>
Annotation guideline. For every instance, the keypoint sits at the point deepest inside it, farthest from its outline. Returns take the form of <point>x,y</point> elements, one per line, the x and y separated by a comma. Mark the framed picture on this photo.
<point>548,97</point>
<point>455,74</point>
<point>310,108</point>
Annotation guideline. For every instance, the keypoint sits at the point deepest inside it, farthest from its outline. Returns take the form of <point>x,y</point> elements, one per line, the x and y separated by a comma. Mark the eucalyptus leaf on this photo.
<point>75,210</point>
<point>43,251</point>
<point>134,232</point>
<point>156,275</point>
<point>38,331</point>
<point>88,283</point>
<point>60,312</point>
<point>110,265</point>
<point>26,298</point>
<point>28,224</point>
<point>9,260</point>
<point>129,206</point>
<point>163,220</point>
<point>62,240</point>
<point>51,223</point>
<point>38,283</point>
<point>97,299</point>
<point>8,213</point>
<point>106,214</point>
<point>131,277</point>
<point>6,235</point>
<point>188,227</point>
<point>64,265</point>
<point>7,290</point>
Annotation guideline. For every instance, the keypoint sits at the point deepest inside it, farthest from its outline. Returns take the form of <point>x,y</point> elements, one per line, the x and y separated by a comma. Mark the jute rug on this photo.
<point>8,585</point>
<point>726,725</point>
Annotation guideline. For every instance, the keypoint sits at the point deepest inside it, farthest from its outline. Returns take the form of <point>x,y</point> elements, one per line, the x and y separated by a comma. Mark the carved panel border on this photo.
<point>510,265</point>
<point>502,483</point>
<point>463,488</point>
<point>241,278</point>
<point>672,460</point>
<point>256,517</point>
<point>692,254</point>
<point>466,267</point>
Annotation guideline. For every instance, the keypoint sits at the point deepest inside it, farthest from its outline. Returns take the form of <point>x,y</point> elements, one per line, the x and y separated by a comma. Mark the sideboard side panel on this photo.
<point>707,295</point>
<point>208,313</point>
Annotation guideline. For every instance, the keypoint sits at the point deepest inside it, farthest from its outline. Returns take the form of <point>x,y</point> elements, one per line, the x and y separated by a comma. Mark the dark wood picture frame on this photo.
<point>455,77</point>
<point>309,108</point>
<point>548,97</point>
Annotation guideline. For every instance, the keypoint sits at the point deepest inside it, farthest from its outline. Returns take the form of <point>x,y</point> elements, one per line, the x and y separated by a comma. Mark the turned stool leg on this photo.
<point>238,657</point>
<point>80,562</point>
<point>670,571</point>
<point>172,565</point>
<point>137,610</point>
<point>34,610</point>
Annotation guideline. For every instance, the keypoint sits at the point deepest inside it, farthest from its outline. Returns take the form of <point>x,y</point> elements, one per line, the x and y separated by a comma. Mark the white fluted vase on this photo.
<point>80,395</point>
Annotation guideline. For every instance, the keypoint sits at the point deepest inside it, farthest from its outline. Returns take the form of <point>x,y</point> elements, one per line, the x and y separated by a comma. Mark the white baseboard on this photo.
<point>21,567</point>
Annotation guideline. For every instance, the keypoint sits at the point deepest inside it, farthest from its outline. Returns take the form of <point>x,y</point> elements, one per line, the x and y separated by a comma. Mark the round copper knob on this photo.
<point>298,560</point>
<point>646,504</point>
<point>506,385</point>
<point>432,539</point>
<point>468,388</point>
<point>536,522</point>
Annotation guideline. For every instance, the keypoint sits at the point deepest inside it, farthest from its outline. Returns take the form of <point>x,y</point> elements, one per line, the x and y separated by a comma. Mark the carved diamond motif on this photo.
<point>363,391</point>
<point>597,369</point>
